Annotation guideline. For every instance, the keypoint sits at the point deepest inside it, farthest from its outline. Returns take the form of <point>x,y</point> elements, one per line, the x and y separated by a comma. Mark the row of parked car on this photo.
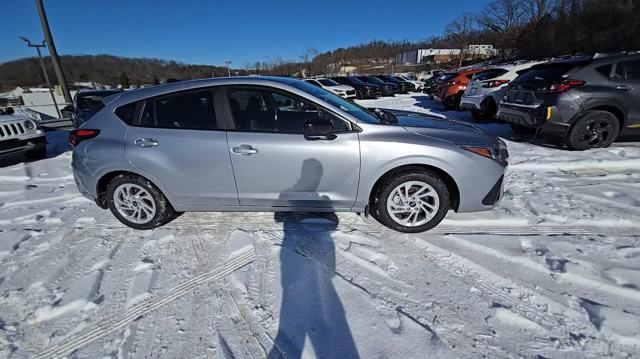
<point>582,102</point>
<point>367,87</point>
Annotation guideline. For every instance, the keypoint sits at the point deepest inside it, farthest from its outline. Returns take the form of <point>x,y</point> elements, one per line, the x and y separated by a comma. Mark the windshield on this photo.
<point>489,74</point>
<point>361,113</point>
<point>544,73</point>
<point>375,80</point>
<point>328,82</point>
<point>93,100</point>
<point>355,80</point>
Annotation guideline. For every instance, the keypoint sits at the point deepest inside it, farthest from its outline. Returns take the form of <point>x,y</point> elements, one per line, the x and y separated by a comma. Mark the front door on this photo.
<point>177,143</point>
<point>275,166</point>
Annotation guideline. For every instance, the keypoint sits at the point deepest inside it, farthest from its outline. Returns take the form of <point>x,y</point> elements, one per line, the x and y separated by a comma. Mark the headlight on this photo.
<point>29,125</point>
<point>497,152</point>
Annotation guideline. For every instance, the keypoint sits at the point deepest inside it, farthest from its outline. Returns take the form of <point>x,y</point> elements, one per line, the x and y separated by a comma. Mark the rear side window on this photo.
<point>191,110</point>
<point>489,74</point>
<point>605,70</point>
<point>628,70</point>
<point>127,113</point>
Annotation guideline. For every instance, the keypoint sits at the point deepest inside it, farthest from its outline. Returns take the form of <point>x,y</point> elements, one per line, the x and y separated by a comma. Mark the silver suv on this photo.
<point>279,144</point>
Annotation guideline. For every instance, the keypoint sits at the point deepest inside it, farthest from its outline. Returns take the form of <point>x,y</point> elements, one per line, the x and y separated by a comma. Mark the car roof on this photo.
<point>98,92</point>
<point>143,93</point>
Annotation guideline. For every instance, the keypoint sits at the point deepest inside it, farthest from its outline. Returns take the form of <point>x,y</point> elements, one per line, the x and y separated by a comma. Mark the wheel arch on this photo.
<point>106,178</point>
<point>608,105</point>
<point>452,186</point>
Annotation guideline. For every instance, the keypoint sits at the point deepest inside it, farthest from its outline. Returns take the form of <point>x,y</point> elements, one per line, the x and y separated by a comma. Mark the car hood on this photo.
<point>443,128</point>
<point>341,87</point>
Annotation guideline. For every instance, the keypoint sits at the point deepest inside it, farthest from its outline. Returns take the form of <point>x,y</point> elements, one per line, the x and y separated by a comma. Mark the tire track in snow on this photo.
<point>108,325</point>
<point>566,328</point>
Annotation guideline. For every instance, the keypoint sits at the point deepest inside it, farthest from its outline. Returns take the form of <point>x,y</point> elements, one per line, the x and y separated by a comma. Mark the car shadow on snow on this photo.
<point>57,144</point>
<point>311,307</point>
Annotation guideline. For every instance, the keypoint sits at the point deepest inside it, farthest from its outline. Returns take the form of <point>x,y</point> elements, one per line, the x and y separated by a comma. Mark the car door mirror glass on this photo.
<point>319,129</point>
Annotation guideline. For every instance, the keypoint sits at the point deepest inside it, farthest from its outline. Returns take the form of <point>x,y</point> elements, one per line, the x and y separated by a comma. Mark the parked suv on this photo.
<point>363,90</point>
<point>584,102</point>
<point>345,91</point>
<point>279,144</point>
<point>405,86</point>
<point>85,104</point>
<point>21,134</point>
<point>486,89</point>
<point>387,88</point>
<point>451,86</point>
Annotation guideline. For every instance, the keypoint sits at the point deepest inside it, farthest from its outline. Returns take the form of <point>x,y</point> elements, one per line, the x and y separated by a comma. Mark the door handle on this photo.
<point>244,150</point>
<point>146,142</point>
<point>623,88</point>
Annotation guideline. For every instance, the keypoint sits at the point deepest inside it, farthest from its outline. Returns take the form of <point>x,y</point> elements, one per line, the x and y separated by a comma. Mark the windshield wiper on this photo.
<point>385,116</point>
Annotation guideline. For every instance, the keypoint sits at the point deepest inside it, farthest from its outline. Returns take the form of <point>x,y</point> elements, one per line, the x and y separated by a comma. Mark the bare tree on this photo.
<point>460,31</point>
<point>503,15</point>
<point>537,10</point>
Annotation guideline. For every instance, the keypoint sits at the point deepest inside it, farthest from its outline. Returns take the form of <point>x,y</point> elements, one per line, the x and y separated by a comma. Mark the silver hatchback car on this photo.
<point>279,144</point>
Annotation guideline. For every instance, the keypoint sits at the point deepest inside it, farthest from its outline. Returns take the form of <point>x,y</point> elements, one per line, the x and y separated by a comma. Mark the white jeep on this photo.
<point>21,133</point>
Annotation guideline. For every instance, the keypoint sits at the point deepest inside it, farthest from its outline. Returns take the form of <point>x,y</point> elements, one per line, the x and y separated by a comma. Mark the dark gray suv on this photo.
<point>584,102</point>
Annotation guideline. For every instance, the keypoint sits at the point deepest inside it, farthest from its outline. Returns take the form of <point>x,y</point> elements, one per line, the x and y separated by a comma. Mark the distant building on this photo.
<point>443,55</point>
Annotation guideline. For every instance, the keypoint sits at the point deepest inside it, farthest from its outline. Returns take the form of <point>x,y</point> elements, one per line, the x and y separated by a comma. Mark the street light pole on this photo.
<point>44,71</point>
<point>228,62</point>
<point>53,52</point>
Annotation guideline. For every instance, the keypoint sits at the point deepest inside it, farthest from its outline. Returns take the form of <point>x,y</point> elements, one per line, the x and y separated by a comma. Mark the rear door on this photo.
<point>626,82</point>
<point>178,143</point>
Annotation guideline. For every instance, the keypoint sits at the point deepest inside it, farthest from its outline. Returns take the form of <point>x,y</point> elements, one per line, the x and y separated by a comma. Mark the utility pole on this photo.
<point>228,62</point>
<point>52,51</point>
<point>44,71</point>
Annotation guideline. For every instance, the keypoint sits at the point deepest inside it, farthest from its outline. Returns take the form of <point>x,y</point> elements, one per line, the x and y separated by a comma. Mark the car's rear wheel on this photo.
<point>595,129</point>
<point>412,202</point>
<point>137,203</point>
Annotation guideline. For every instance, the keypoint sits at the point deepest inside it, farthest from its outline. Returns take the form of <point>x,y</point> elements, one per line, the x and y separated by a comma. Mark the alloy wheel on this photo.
<point>413,203</point>
<point>134,203</point>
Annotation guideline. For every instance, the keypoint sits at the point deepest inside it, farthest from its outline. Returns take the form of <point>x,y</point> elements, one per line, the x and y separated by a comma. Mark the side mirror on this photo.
<point>68,108</point>
<point>319,129</point>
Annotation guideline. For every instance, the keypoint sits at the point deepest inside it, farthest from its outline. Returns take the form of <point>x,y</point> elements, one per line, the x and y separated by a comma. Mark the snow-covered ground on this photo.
<point>553,272</point>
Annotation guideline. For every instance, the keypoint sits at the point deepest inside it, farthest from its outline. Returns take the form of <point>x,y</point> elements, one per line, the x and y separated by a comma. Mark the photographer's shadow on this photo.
<point>310,306</point>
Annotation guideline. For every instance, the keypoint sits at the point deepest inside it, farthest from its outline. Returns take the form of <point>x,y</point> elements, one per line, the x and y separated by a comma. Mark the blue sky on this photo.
<point>210,32</point>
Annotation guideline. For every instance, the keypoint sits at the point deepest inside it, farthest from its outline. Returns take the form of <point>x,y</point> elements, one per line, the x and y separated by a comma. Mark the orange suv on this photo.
<point>452,86</point>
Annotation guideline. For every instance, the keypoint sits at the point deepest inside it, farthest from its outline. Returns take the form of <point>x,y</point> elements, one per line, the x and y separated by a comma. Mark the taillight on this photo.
<point>495,83</point>
<point>451,83</point>
<point>565,85</point>
<point>79,135</point>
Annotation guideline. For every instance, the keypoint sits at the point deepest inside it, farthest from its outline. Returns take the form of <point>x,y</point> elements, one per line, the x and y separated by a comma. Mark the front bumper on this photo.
<point>16,145</point>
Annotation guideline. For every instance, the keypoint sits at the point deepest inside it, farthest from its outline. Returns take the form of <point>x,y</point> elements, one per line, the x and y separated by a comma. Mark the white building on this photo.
<point>443,55</point>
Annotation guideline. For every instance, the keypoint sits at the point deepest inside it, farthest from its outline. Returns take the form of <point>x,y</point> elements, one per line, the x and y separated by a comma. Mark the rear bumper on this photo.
<point>549,119</point>
<point>470,103</point>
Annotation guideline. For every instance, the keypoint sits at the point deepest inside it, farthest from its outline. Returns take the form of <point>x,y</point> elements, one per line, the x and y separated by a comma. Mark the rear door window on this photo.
<point>192,110</point>
<point>628,70</point>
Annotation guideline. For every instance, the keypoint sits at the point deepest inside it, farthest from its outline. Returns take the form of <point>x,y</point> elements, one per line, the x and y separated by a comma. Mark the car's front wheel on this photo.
<point>137,203</point>
<point>412,202</point>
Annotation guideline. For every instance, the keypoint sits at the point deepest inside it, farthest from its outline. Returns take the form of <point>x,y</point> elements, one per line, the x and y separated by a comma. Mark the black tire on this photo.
<point>37,153</point>
<point>595,129</point>
<point>522,131</point>
<point>379,204</point>
<point>478,116</point>
<point>164,211</point>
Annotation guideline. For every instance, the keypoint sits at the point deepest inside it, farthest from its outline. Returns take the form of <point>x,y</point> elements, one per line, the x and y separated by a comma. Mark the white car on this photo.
<point>345,91</point>
<point>419,84</point>
<point>20,133</point>
<point>486,89</point>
